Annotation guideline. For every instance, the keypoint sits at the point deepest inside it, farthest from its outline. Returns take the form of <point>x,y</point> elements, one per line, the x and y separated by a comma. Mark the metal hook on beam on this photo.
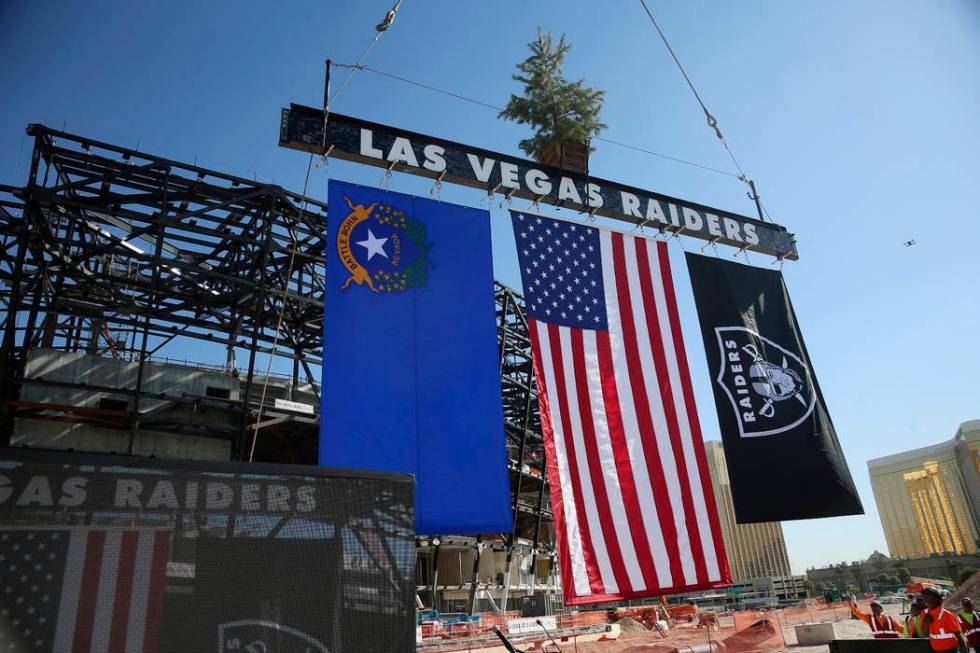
<point>437,185</point>
<point>326,155</point>
<point>741,250</point>
<point>710,243</point>
<point>507,197</point>
<point>489,196</point>
<point>384,180</point>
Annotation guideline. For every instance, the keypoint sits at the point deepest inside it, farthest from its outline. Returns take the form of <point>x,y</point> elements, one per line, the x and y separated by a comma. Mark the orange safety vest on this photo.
<point>942,630</point>
<point>886,630</point>
<point>971,627</point>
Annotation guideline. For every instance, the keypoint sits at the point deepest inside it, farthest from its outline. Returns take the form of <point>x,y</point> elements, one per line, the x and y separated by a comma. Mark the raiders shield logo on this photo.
<point>769,386</point>
<point>258,636</point>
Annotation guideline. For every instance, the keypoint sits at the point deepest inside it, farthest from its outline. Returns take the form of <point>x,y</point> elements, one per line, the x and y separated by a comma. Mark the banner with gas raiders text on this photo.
<point>112,553</point>
<point>783,456</point>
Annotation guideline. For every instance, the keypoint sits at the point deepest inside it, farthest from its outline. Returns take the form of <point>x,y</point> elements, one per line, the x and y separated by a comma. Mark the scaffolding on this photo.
<point>143,263</point>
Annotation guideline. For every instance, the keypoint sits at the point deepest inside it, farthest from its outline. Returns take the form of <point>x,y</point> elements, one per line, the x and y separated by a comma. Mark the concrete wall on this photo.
<point>82,437</point>
<point>170,383</point>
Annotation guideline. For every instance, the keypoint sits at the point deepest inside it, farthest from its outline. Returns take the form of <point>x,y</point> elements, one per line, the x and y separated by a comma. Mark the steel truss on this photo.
<point>123,254</point>
<point>115,251</point>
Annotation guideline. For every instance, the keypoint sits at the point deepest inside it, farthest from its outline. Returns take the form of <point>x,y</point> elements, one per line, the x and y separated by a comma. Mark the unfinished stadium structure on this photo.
<point>158,308</point>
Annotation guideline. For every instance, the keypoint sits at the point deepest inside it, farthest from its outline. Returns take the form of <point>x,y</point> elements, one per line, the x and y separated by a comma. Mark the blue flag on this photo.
<point>411,377</point>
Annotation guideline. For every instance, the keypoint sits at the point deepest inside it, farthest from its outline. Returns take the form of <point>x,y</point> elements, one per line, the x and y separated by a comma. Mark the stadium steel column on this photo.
<point>520,475</point>
<point>154,289</point>
<point>476,574</point>
<point>258,296</point>
<point>537,527</point>
<point>435,576</point>
<point>10,333</point>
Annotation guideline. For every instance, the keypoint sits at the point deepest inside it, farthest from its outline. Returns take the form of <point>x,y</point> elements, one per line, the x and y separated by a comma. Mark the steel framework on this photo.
<point>123,254</point>
<point>115,251</point>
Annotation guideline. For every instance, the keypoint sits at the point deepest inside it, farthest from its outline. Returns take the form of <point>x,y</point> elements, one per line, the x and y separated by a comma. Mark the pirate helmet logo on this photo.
<point>768,386</point>
<point>260,636</point>
<point>774,381</point>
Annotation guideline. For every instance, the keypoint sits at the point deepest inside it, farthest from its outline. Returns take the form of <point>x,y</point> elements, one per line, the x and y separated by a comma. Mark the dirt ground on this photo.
<point>688,634</point>
<point>846,629</point>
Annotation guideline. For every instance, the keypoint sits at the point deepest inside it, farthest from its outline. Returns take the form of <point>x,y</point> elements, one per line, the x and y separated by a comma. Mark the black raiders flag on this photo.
<point>784,460</point>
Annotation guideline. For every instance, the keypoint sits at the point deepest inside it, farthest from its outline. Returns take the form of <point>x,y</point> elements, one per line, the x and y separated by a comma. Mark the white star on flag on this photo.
<point>373,245</point>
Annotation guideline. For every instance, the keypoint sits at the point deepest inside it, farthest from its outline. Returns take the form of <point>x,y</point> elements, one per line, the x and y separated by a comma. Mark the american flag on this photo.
<point>634,509</point>
<point>82,589</point>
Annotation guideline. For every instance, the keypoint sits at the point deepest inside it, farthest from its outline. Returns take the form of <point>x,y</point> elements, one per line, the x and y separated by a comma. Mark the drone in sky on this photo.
<point>909,243</point>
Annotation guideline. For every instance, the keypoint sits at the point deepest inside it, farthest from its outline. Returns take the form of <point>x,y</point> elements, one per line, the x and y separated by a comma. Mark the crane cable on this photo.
<point>487,105</point>
<point>712,121</point>
<point>379,29</point>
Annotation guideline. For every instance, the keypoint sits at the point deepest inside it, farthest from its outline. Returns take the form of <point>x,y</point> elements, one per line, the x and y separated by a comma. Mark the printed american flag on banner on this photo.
<point>634,508</point>
<point>82,590</point>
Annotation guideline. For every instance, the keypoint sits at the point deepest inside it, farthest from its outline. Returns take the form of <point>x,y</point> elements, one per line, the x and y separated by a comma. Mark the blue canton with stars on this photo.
<point>562,271</point>
<point>31,574</point>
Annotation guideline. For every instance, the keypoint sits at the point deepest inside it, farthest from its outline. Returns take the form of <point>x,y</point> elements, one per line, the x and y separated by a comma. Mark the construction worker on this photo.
<point>913,625</point>
<point>882,626</point>
<point>970,623</point>
<point>943,626</point>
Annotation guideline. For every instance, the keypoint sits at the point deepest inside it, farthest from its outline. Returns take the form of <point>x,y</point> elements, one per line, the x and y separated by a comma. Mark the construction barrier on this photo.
<point>690,630</point>
<point>753,626</point>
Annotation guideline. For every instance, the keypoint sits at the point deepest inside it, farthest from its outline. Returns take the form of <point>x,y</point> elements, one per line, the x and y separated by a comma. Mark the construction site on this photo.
<point>165,310</point>
<point>230,416</point>
<point>655,628</point>
<point>161,309</point>
<point>156,308</point>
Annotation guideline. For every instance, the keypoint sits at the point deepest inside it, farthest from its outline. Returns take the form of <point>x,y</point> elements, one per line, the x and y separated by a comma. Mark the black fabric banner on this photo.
<point>784,460</point>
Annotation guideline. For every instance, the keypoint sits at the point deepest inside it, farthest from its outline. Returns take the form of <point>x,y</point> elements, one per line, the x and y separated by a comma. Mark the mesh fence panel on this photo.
<point>755,629</point>
<point>100,554</point>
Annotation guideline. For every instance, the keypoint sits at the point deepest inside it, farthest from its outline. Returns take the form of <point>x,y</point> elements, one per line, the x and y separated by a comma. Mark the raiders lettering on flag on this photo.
<point>783,456</point>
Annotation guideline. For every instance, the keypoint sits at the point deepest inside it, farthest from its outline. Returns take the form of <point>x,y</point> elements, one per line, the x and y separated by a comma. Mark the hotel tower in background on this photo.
<point>754,550</point>
<point>929,498</point>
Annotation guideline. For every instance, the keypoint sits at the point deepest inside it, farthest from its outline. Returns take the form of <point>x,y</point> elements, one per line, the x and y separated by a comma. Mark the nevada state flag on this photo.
<point>411,376</point>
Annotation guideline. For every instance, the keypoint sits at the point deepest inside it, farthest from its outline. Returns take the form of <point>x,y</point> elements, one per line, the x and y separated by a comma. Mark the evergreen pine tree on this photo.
<point>558,110</point>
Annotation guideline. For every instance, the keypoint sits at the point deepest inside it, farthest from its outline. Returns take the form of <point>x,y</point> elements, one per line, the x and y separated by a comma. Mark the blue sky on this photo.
<point>857,120</point>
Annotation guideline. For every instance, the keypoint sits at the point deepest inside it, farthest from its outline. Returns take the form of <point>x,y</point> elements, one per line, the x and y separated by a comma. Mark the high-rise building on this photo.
<point>754,550</point>
<point>929,498</point>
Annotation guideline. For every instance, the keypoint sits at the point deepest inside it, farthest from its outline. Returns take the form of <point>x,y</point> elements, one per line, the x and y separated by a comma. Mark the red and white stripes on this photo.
<point>632,498</point>
<point>112,596</point>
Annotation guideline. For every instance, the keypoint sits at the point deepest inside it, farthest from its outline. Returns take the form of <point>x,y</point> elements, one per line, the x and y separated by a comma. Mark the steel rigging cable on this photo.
<point>712,121</point>
<point>379,29</point>
<point>481,103</point>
